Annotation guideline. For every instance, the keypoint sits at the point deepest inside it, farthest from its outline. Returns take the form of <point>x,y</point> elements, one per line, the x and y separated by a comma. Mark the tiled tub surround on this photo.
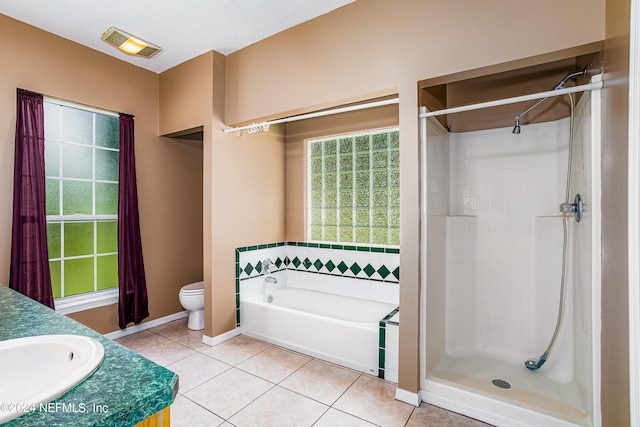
<point>389,338</point>
<point>129,386</point>
<point>366,277</point>
<point>377,269</point>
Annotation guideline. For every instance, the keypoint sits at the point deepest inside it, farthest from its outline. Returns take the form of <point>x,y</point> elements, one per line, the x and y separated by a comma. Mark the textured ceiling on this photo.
<point>182,28</point>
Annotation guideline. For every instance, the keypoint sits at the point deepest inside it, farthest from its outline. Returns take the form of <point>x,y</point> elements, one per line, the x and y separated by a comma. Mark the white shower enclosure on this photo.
<point>491,268</point>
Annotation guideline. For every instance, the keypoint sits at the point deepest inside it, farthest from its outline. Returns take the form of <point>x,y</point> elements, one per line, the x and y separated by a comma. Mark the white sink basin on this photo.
<point>35,370</point>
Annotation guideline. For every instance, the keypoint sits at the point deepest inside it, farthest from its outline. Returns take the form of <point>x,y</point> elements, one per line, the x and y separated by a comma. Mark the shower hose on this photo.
<point>532,363</point>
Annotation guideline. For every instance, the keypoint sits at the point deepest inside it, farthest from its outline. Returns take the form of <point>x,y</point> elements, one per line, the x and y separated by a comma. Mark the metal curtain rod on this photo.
<point>264,126</point>
<point>505,101</point>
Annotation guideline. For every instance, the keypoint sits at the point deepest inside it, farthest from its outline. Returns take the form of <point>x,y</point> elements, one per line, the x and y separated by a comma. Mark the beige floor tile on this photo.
<point>373,399</point>
<point>179,332</point>
<point>192,339</point>
<point>196,369</point>
<point>274,364</point>
<point>172,329</point>
<point>335,418</point>
<point>229,392</point>
<point>237,349</point>
<point>321,381</point>
<point>166,353</point>
<point>279,407</point>
<point>185,413</point>
<point>432,416</point>
<point>141,340</point>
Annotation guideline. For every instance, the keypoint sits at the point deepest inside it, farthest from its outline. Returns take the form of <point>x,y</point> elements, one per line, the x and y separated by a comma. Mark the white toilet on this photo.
<point>192,299</point>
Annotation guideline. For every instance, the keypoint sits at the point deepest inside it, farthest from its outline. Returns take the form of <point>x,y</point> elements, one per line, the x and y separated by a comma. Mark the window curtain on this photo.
<point>133,305</point>
<point>29,271</point>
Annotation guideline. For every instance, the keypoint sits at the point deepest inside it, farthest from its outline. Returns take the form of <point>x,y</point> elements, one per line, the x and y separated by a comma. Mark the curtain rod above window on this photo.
<point>72,104</point>
<point>264,126</point>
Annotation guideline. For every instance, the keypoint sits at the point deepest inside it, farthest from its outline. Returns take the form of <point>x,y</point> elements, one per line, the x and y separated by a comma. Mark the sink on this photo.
<point>35,370</point>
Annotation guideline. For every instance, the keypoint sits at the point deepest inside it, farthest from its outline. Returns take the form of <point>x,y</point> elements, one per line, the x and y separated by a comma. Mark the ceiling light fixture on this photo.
<point>129,44</point>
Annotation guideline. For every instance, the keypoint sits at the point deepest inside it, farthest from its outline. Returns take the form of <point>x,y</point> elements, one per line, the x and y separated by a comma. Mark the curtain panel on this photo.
<point>29,271</point>
<point>133,305</point>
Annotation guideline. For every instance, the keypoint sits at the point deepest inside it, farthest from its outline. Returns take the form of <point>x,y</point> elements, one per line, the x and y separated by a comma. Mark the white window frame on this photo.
<point>97,298</point>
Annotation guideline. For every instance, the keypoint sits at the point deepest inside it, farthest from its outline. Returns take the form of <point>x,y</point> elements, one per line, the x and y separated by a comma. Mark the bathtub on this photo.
<point>334,328</point>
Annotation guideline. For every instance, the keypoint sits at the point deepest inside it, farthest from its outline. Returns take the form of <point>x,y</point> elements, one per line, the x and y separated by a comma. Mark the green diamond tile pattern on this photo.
<point>342,267</point>
<point>248,269</point>
<point>355,268</point>
<point>334,260</point>
<point>369,270</point>
<point>383,272</point>
<point>330,266</point>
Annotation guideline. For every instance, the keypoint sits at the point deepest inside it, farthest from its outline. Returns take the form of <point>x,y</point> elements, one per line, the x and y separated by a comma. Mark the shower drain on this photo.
<point>501,383</point>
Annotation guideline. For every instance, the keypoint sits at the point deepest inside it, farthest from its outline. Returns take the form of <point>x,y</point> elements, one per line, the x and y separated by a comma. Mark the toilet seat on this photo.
<point>193,289</point>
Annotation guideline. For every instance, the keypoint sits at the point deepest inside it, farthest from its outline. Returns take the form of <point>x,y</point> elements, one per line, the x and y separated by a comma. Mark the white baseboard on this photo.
<point>408,397</point>
<point>211,341</point>
<point>146,325</point>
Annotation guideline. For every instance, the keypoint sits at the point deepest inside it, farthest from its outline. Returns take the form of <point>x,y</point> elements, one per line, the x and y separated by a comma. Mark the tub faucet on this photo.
<point>268,267</point>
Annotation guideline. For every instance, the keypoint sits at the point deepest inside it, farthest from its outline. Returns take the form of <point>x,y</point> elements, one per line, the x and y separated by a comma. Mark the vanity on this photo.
<point>126,390</point>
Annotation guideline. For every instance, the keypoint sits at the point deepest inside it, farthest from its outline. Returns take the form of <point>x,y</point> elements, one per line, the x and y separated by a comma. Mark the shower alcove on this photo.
<point>492,245</point>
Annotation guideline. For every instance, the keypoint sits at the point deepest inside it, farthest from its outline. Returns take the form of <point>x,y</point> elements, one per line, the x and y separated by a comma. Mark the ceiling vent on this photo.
<point>129,44</point>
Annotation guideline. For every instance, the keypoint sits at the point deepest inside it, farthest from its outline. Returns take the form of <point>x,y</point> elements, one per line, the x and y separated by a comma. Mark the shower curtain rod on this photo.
<point>505,101</point>
<point>264,126</point>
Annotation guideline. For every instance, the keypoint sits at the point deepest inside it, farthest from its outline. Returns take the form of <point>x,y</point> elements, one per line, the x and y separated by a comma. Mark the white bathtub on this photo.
<point>334,328</point>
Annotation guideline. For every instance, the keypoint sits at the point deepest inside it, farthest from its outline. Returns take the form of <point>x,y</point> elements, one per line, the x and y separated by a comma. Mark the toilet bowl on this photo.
<point>192,298</point>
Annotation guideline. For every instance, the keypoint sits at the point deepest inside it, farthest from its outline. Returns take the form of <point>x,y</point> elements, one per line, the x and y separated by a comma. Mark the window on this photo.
<point>81,164</point>
<point>353,188</point>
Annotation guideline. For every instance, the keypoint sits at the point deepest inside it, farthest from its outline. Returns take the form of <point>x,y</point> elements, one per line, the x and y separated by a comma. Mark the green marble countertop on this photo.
<point>129,387</point>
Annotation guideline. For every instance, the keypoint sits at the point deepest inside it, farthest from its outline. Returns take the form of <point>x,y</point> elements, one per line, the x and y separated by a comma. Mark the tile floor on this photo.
<point>247,382</point>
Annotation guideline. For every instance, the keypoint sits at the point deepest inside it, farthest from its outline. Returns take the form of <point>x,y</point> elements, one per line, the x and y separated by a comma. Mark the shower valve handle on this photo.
<point>575,208</point>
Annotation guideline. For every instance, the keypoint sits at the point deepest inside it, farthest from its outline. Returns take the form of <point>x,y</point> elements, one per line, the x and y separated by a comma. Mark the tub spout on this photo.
<point>270,279</point>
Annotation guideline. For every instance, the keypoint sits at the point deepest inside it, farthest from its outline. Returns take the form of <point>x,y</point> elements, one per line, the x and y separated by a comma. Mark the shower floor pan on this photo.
<point>529,390</point>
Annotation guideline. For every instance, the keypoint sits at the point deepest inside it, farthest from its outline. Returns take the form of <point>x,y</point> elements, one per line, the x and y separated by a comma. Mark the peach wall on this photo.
<point>377,47</point>
<point>169,173</point>
<point>370,46</point>
<point>615,316</point>
<point>186,95</point>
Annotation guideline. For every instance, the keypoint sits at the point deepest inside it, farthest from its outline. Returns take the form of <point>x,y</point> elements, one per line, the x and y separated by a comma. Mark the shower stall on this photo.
<point>492,269</point>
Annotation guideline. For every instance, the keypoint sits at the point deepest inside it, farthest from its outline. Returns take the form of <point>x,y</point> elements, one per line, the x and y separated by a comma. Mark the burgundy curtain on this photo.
<point>29,271</point>
<point>133,305</point>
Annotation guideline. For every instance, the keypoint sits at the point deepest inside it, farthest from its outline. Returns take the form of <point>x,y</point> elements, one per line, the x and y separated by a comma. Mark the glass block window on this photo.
<point>353,188</point>
<point>81,164</point>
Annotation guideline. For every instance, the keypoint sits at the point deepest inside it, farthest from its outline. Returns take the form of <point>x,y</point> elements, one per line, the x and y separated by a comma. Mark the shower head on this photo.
<point>534,364</point>
<point>560,85</point>
<point>583,72</point>
<point>516,128</point>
